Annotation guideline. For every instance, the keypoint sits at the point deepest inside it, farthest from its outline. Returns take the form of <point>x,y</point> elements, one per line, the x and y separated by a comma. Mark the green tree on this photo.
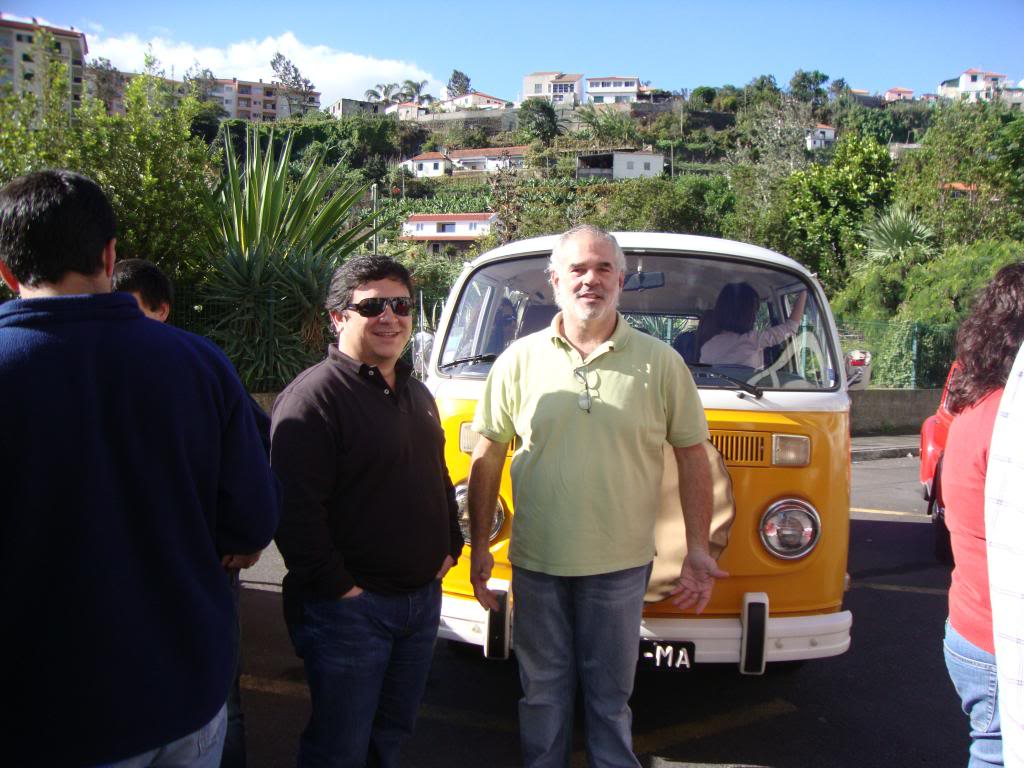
<point>538,120</point>
<point>107,82</point>
<point>809,87</point>
<point>827,205</point>
<point>458,84</point>
<point>962,180</point>
<point>415,91</point>
<point>297,88</point>
<point>702,96</point>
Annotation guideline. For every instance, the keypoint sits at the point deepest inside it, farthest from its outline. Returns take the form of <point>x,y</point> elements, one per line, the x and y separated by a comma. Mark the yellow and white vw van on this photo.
<point>780,427</point>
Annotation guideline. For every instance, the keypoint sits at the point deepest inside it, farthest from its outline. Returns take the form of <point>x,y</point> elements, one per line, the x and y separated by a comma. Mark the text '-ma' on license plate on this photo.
<point>662,654</point>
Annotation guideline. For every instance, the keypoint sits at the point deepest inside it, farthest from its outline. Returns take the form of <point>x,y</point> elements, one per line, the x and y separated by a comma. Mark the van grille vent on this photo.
<point>743,449</point>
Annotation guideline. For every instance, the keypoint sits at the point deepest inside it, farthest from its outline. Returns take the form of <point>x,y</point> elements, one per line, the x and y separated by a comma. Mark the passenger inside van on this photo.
<point>729,328</point>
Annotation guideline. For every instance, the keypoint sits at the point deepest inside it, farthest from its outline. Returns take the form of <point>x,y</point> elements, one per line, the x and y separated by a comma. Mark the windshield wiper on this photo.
<point>746,386</point>
<point>489,357</point>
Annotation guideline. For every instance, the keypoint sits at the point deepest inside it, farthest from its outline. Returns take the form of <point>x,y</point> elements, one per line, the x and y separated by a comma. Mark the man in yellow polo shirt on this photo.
<point>592,402</point>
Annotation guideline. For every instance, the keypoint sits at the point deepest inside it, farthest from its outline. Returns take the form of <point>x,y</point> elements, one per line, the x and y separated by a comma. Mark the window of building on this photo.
<point>599,99</point>
<point>446,227</point>
<point>629,83</point>
<point>621,99</point>
<point>435,248</point>
<point>558,97</point>
<point>56,47</point>
<point>629,165</point>
<point>419,226</point>
<point>564,87</point>
<point>268,92</point>
<point>26,57</point>
<point>472,226</point>
<point>974,78</point>
<point>647,166</point>
<point>436,166</point>
<point>605,84</point>
<point>28,75</point>
<point>419,166</point>
<point>245,89</point>
<point>23,38</point>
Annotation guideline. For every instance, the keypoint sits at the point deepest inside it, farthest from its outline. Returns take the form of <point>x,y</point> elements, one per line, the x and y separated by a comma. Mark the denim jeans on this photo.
<point>200,749</point>
<point>585,628</point>
<point>973,672</point>
<point>367,660</point>
<point>234,738</point>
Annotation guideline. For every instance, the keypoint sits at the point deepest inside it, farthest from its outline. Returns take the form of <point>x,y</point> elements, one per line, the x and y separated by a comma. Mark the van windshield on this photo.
<point>732,321</point>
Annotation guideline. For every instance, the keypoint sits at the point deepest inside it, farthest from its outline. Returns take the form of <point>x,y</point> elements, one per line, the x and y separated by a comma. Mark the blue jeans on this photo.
<point>367,660</point>
<point>973,672</point>
<point>569,628</point>
<point>200,749</point>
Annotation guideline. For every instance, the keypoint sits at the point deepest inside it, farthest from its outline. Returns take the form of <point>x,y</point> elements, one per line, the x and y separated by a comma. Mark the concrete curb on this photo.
<point>888,452</point>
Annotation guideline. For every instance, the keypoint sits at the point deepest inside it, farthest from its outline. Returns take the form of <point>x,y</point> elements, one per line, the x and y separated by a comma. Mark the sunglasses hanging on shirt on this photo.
<point>372,307</point>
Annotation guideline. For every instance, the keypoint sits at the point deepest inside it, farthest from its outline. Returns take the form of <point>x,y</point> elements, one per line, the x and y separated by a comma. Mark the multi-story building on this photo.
<point>556,87</point>
<point>616,165</point>
<point>612,90</point>
<point>821,137</point>
<point>437,230</point>
<point>974,85</point>
<point>20,57</point>
<point>259,101</point>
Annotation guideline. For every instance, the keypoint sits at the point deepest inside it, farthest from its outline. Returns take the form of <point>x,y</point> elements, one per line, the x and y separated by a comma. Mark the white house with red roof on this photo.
<point>428,165</point>
<point>974,85</point>
<point>898,94</point>
<point>615,89</point>
<point>821,137</point>
<point>472,100</point>
<point>437,230</point>
<point>483,160</point>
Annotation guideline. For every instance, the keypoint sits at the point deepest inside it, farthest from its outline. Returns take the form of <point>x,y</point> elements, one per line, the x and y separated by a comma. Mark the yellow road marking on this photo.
<point>867,511</point>
<point>900,588</point>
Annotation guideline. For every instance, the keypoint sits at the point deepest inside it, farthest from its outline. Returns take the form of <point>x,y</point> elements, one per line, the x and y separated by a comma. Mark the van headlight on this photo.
<point>790,529</point>
<point>791,450</point>
<point>462,498</point>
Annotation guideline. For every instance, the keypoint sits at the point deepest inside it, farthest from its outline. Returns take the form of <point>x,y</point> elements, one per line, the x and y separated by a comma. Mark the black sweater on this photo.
<point>367,497</point>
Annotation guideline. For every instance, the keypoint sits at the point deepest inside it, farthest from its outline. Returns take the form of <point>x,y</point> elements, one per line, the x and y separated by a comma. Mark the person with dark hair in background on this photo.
<point>728,337</point>
<point>123,482</point>
<point>370,523</point>
<point>148,284</point>
<point>154,293</point>
<point>987,343</point>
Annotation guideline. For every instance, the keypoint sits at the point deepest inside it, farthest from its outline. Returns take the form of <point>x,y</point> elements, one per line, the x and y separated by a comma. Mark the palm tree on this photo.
<point>372,94</point>
<point>897,236</point>
<point>412,90</point>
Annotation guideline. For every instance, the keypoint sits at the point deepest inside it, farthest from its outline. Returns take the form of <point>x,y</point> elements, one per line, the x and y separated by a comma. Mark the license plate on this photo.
<point>660,654</point>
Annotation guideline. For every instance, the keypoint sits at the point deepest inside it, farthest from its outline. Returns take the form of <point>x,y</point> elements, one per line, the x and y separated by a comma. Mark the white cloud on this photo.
<point>334,73</point>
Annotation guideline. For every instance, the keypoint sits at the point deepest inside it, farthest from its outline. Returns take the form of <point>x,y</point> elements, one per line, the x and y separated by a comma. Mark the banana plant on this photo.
<point>272,254</point>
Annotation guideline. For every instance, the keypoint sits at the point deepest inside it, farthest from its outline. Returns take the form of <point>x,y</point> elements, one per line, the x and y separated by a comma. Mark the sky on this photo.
<point>344,48</point>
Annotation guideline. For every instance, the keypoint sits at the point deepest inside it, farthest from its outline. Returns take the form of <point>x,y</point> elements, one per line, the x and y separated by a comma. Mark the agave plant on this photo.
<point>272,254</point>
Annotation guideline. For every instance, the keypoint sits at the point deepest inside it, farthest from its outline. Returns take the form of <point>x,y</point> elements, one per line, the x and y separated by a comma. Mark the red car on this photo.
<point>933,442</point>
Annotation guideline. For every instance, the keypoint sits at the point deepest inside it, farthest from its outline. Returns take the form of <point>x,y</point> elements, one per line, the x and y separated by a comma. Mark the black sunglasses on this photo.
<point>400,305</point>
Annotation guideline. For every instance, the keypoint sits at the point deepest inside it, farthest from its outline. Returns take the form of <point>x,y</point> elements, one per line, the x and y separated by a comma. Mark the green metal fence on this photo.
<point>904,355</point>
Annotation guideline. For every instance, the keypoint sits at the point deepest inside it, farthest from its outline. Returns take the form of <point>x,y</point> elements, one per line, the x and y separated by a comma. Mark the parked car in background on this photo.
<point>858,366</point>
<point>933,444</point>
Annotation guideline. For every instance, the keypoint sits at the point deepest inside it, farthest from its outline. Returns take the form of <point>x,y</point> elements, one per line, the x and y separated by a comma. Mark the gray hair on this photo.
<point>588,230</point>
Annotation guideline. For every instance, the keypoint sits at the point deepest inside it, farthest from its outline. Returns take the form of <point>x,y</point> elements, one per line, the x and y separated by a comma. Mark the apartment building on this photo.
<point>261,102</point>
<point>20,63</point>
<point>974,85</point>
<point>556,87</point>
<point>613,90</point>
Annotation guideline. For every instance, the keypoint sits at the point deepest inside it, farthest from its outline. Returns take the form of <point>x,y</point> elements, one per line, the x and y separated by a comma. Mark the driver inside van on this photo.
<point>732,338</point>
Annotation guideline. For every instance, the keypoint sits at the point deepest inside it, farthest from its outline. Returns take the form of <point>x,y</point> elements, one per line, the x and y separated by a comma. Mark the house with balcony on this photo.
<point>820,137</point>
<point>440,231</point>
<point>898,94</point>
<point>472,100</point>
<point>20,66</point>
<point>974,85</point>
<point>428,165</point>
<point>619,164</point>
<point>557,87</point>
<point>613,90</point>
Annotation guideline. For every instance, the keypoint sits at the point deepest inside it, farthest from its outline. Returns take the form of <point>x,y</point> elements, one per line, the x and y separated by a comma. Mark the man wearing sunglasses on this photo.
<point>369,525</point>
<point>592,402</point>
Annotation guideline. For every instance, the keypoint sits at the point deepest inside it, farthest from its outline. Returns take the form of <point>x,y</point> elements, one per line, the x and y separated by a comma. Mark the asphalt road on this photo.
<point>888,701</point>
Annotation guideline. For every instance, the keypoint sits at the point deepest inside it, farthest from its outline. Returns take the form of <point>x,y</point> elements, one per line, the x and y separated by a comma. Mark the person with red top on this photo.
<point>987,343</point>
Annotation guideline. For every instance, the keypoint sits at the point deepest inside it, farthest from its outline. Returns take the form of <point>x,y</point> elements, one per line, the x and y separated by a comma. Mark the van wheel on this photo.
<point>943,549</point>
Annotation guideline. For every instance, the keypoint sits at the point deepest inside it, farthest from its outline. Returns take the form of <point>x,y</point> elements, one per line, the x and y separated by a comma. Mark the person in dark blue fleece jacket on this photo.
<point>132,466</point>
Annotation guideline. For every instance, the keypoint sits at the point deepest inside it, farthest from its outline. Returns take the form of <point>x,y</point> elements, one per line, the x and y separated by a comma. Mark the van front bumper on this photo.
<point>750,640</point>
